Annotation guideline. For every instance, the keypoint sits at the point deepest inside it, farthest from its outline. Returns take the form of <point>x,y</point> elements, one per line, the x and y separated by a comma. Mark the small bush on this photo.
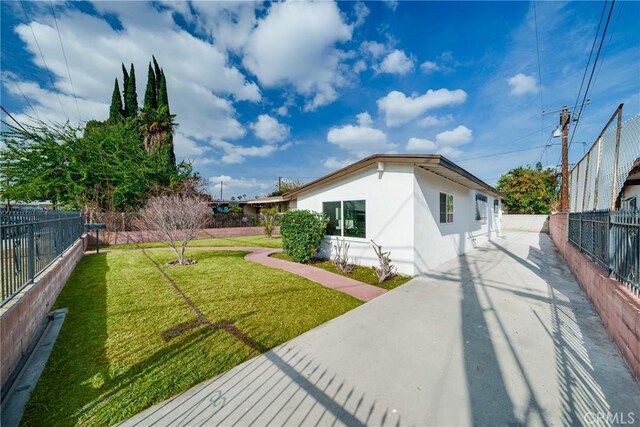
<point>302,233</point>
<point>268,219</point>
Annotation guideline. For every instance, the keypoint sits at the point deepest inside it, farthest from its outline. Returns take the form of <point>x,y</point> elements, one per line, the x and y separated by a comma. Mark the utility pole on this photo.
<point>564,191</point>
<point>221,190</point>
<point>279,184</point>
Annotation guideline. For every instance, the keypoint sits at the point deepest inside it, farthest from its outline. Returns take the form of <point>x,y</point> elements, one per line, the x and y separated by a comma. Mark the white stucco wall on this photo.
<point>436,242</point>
<point>389,213</point>
<point>403,215</point>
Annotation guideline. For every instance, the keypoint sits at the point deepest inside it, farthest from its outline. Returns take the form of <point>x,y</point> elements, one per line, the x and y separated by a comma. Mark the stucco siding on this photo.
<point>389,213</point>
<point>437,242</point>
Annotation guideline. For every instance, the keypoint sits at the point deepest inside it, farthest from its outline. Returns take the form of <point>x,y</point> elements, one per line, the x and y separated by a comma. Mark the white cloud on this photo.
<point>294,44</point>
<point>457,136</point>
<point>449,152</point>
<point>391,4</point>
<point>233,187</point>
<point>521,84</point>
<point>360,139</point>
<point>334,163</point>
<point>229,23</point>
<point>373,48</point>
<point>364,119</point>
<point>361,11</point>
<point>429,66</point>
<point>200,79</point>
<point>236,153</point>
<point>359,66</point>
<point>396,62</point>
<point>399,108</point>
<point>431,121</point>
<point>269,129</point>
<point>445,143</point>
<point>187,148</point>
<point>417,144</point>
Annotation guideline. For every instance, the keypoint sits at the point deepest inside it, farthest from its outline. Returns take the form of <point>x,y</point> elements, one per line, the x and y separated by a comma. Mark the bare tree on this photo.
<point>175,219</point>
<point>341,258</point>
<point>385,270</point>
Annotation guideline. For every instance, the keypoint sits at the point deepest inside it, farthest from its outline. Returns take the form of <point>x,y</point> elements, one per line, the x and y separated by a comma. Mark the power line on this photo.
<point>42,57</point>
<point>606,47</point>
<point>593,69</point>
<point>65,59</point>
<point>503,153</point>
<point>586,68</point>
<point>26,99</point>
<point>13,118</point>
<point>514,151</point>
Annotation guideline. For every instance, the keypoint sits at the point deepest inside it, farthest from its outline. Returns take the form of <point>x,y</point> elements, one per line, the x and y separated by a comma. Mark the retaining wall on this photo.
<point>124,237</point>
<point>616,305</point>
<point>24,313</point>
<point>533,223</point>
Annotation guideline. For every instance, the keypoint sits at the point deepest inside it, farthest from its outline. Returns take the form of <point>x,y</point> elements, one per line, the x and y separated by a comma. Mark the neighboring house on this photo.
<point>629,197</point>
<point>423,208</point>
<point>253,207</point>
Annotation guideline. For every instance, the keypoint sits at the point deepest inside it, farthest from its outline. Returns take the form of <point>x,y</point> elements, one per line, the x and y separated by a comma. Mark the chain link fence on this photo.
<point>596,180</point>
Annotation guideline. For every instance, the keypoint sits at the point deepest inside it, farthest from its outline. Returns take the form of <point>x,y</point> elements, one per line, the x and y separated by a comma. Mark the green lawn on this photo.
<point>130,341</point>
<point>361,273</point>
<point>258,241</point>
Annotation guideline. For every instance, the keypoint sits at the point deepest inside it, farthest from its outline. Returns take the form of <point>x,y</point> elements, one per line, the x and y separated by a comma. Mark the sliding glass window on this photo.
<point>334,211</point>
<point>346,219</point>
<point>355,219</point>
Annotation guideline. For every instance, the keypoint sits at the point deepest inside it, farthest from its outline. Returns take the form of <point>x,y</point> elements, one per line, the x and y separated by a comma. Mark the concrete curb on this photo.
<point>18,395</point>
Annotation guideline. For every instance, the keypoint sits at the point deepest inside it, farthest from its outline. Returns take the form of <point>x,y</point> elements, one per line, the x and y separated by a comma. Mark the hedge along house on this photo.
<point>424,209</point>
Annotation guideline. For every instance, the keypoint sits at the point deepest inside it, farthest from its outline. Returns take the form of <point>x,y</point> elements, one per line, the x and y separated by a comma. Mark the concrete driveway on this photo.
<point>501,336</point>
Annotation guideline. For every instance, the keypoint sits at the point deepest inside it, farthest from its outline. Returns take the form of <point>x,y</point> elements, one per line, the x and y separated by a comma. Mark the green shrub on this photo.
<point>268,218</point>
<point>302,233</point>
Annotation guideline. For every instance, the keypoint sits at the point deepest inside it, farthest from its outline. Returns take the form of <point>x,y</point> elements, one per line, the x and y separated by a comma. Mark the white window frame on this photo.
<point>446,208</point>
<point>341,221</point>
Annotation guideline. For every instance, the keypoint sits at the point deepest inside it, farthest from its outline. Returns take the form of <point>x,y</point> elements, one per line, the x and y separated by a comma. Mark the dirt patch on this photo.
<point>184,262</point>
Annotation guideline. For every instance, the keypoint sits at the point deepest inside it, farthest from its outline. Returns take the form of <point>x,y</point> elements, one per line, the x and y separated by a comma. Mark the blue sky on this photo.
<point>299,89</point>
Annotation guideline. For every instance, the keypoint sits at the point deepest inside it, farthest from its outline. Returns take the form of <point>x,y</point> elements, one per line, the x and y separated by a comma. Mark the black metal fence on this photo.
<point>29,242</point>
<point>611,240</point>
<point>624,252</point>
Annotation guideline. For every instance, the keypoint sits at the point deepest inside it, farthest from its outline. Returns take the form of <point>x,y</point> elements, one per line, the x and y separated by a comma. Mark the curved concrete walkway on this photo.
<point>355,288</point>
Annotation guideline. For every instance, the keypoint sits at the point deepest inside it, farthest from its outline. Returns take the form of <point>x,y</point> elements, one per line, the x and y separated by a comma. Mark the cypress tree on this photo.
<point>163,98</point>
<point>131,97</point>
<point>115,111</point>
<point>150,96</point>
<point>125,85</point>
<point>156,67</point>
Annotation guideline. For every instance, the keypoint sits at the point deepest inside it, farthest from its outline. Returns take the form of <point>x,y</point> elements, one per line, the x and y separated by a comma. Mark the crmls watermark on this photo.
<point>616,418</point>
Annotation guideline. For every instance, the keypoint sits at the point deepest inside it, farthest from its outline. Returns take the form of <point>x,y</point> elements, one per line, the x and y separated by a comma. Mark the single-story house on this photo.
<point>629,197</point>
<point>424,209</point>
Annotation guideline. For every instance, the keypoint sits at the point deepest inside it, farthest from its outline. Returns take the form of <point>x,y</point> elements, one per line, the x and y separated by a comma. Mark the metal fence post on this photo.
<point>31,253</point>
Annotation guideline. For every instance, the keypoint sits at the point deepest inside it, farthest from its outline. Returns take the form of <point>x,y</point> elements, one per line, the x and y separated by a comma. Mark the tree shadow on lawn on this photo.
<point>104,370</point>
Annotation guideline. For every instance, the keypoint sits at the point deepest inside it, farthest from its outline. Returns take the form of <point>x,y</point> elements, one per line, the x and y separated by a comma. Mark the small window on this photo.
<point>334,211</point>
<point>355,219</point>
<point>629,203</point>
<point>446,208</point>
<point>496,206</point>
<point>481,207</point>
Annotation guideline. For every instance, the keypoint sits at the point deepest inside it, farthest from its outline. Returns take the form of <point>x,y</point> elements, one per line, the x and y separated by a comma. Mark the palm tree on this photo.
<point>157,126</point>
